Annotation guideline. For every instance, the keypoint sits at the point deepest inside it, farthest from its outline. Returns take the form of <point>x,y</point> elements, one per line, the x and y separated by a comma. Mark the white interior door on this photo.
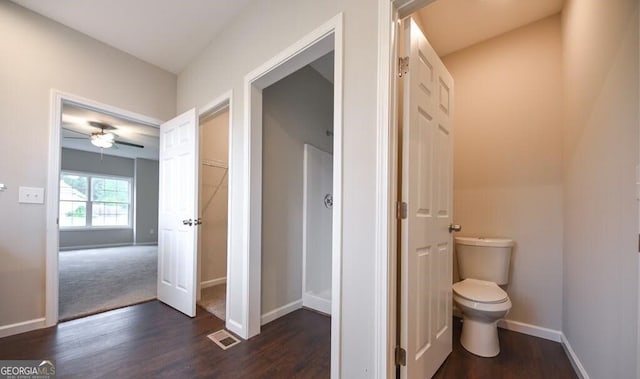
<point>177,229</point>
<point>426,255</point>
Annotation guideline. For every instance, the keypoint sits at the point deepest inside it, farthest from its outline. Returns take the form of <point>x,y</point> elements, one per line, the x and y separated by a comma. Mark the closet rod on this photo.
<point>214,163</point>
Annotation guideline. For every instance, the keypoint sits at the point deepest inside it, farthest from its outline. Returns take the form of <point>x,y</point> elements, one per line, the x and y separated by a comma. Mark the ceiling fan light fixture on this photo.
<point>102,140</point>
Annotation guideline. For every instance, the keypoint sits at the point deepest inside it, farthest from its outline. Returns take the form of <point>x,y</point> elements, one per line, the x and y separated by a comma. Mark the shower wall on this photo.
<point>214,153</point>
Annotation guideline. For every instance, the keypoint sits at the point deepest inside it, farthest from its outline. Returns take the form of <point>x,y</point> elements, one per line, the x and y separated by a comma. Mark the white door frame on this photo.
<point>58,98</point>
<point>324,39</point>
<point>389,13</point>
<point>223,102</point>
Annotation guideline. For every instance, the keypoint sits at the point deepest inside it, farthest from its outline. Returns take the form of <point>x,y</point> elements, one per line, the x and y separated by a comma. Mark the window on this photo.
<point>88,200</point>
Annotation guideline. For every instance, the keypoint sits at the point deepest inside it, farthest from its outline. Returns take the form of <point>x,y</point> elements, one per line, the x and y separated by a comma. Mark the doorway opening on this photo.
<point>320,42</point>
<point>297,193</point>
<point>101,209</point>
<point>492,79</point>
<point>108,215</point>
<point>213,210</point>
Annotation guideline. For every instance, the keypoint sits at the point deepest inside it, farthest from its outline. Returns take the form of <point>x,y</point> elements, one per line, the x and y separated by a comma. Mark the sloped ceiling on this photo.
<point>452,25</point>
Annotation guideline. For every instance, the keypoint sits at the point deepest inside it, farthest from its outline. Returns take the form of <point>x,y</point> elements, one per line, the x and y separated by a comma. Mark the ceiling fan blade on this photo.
<point>129,144</point>
<point>84,138</point>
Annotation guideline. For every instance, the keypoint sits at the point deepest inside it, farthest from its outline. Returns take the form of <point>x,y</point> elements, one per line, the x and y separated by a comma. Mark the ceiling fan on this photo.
<point>105,140</point>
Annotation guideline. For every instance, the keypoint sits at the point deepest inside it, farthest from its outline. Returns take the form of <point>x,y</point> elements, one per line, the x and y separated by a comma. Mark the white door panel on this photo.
<point>178,193</point>
<point>426,254</point>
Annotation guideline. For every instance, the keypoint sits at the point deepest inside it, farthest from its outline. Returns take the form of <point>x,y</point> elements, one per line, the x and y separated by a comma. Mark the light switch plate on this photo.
<point>31,195</point>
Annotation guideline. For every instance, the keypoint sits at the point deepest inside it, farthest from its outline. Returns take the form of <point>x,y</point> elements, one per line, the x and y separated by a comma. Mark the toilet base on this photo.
<point>480,338</point>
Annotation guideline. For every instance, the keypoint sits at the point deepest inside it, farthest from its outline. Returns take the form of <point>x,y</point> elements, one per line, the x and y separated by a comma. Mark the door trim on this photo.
<point>58,98</point>
<point>386,194</point>
<point>325,38</point>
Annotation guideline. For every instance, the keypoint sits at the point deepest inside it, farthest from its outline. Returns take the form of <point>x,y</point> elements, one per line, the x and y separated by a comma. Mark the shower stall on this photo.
<point>317,229</point>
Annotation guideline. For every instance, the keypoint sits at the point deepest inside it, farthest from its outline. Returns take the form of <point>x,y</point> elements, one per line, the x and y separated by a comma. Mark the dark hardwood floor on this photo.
<point>521,357</point>
<point>151,340</point>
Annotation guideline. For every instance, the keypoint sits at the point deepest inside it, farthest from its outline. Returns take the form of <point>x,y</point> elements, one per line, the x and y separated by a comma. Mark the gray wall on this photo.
<point>297,110</point>
<point>600,291</point>
<point>37,55</point>
<point>84,161</point>
<point>146,206</point>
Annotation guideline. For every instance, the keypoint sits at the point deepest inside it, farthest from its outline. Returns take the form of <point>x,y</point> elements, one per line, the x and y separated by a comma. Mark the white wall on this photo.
<point>38,54</point>
<point>261,32</point>
<point>508,159</point>
<point>600,294</point>
<point>296,110</point>
<point>214,145</point>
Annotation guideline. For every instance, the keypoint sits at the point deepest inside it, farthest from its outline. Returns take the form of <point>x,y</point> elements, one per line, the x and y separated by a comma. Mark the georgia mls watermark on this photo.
<point>27,370</point>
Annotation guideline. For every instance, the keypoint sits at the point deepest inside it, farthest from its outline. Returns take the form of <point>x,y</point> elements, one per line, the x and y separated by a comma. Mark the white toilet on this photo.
<point>483,264</point>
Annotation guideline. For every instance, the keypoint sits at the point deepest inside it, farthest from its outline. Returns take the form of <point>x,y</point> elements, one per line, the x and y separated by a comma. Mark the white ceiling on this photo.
<point>76,133</point>
<point>171,33</point>
<point>166,33</point>
<point>452,25</point>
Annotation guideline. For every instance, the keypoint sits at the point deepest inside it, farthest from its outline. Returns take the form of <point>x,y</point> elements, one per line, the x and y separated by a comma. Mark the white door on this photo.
<point>177,211</point>
<point>426,256</point>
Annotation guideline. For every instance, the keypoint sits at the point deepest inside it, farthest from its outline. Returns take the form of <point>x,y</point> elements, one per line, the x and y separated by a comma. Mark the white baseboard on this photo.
<point>532,330</point>
<point>279,312</point>
<point>213,282</point>
<point>318,303</point>
<point>145,243</point>
<point>87,247</point>
<point>573,358</point>
<point>22,327</point>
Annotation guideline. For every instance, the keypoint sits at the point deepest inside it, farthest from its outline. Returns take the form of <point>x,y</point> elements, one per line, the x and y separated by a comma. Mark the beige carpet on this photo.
<point>98,280</point>
<point>213,299</point>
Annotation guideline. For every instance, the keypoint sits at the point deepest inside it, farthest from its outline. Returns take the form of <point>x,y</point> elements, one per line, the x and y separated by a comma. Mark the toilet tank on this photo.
<point>484,258</point>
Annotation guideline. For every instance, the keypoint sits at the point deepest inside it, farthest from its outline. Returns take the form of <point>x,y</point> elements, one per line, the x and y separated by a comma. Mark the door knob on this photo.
<point>187,222</point>
<point>197,221</point>
<point>454,228</point>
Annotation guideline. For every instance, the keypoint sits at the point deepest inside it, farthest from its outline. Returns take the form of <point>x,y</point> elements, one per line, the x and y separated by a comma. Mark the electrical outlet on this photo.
<point>31,195</point>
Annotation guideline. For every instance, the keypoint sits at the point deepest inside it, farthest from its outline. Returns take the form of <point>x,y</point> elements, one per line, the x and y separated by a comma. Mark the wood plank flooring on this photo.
<point>151,340</point>
<point>521,357</point>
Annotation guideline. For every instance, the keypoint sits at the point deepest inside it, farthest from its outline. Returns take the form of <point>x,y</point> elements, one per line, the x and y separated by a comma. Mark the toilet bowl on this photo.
<point>482,304</point>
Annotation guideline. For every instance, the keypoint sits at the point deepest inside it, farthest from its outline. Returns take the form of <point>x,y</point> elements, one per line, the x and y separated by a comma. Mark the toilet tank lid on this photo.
<point>480,241</point>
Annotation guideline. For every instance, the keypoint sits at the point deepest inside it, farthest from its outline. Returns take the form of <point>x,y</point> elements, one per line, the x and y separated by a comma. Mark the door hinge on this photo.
<point>403,66</point>
<point>401,356</point>
<point>401,210</point>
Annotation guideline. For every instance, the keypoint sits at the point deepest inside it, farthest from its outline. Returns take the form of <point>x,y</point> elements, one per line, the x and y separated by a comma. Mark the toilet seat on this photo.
<point>480,291</point>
